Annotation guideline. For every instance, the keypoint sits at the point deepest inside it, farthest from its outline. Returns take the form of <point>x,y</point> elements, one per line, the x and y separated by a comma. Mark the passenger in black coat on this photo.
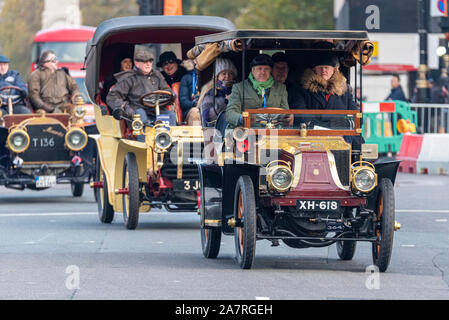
<point>324,87</point>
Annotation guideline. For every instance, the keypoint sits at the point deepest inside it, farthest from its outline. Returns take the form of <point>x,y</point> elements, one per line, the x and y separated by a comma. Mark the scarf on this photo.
<point>261,87</point>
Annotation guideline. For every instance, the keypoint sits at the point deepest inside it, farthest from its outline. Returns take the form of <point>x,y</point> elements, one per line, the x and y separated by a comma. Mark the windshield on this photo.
<point>303,119</point>
<point>64,51</point>
<point>82,87</point>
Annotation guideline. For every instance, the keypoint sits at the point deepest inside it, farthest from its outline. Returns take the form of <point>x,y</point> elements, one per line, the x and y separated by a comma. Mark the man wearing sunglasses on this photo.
<point>51,89</point>
<point>134,83</point>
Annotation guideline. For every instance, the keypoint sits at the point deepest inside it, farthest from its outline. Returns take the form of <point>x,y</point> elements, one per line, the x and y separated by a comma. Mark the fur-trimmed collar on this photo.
<point>314,83</point>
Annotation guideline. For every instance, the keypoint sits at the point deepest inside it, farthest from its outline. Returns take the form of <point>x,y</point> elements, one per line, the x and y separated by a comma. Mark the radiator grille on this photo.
<point>342,162</point>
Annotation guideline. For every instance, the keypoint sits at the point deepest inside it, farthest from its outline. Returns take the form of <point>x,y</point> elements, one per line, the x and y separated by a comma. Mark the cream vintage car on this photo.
<point>158,171</point>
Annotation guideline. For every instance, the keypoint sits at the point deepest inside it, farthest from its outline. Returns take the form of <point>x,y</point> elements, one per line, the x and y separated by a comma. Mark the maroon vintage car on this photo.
<point>309,181</point>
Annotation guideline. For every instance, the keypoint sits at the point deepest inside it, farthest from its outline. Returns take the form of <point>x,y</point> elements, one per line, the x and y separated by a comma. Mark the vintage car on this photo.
<point>158,171</point>
<point>301,183</point>
<point>40,150</point>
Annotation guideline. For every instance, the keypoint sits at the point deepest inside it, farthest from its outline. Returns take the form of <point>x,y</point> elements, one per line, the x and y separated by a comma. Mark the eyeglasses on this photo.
<point>54,60</point>
<point>146,61</point>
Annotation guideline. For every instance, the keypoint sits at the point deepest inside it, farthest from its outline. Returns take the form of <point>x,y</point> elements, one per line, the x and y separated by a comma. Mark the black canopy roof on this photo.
<point>145,29</point>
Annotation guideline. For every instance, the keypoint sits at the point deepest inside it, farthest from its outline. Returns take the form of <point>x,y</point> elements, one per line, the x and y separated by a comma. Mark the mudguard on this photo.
<point>387,169</point>
<point>211,191</point>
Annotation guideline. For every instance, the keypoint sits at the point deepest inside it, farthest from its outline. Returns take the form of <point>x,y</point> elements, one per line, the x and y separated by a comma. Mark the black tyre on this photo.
<point>131,201</point>
<point>346,249</point>
<point>77,187</point>
<point>245,231</point>
<point>105,209</point>
<point>384,225</point>
<point>210,242</point>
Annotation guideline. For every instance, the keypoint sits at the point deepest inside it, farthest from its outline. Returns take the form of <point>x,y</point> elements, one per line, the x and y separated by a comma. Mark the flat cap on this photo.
<point>4,59</point>
<point>143,55</point>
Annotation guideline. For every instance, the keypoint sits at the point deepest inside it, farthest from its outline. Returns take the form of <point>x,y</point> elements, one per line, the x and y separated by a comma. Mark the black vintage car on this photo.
<point>303,182</point>
<point>39,150</point>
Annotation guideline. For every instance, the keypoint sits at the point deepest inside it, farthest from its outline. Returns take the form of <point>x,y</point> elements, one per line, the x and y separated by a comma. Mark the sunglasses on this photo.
<point>54,60</point>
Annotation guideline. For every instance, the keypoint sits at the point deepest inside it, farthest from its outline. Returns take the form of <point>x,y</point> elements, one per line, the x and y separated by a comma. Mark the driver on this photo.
<point>51,89</point>
<point>260,91</point>
<point>12,78</point>
<point>134,83</point>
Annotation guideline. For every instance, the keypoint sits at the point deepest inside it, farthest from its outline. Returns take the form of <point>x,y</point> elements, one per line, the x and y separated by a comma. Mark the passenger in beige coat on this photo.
<point>51,89</point>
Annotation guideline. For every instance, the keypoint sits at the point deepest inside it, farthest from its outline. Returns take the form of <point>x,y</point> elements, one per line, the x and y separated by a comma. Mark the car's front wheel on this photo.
<point>131,200</point>
<point>245,215</point>
<point>384,226</point>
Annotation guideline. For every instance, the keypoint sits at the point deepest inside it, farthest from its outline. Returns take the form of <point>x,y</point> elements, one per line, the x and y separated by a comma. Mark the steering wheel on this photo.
<point>272,121</point>
<point>155,98</point>
<point>15,98</point>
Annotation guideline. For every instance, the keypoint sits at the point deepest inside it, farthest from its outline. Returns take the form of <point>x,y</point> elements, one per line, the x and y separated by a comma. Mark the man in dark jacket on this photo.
<point>134,83</point>
<point>12,78</point>
<point>396,89</point>
<point>171,68</point>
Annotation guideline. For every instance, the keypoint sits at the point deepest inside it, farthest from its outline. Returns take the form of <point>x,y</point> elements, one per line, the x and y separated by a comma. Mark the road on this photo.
<point>52,246</point>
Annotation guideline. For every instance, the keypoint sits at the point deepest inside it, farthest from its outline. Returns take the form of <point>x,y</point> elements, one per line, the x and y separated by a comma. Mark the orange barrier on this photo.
<point>409,152</point>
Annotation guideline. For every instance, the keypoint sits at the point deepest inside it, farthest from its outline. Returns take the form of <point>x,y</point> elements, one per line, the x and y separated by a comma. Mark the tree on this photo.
<point>95,12</point>
<point>19,22</point>
<point>287,14</point>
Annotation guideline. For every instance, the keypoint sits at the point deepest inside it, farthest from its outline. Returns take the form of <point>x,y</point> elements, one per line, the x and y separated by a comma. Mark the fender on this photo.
<point>211,191</point>
<point>387,169</point>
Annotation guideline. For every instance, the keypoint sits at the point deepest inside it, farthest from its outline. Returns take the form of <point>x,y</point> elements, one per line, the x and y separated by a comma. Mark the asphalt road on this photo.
<point>52,246</point>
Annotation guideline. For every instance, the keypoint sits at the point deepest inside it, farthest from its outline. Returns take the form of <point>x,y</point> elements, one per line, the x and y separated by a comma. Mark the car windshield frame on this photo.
<point>355,114</point>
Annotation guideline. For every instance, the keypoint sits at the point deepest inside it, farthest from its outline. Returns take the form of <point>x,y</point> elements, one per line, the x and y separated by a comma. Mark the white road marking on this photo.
<point>440,220</point>
<point>421,211</point>
<point>49,214</point>
<point>408,245</point>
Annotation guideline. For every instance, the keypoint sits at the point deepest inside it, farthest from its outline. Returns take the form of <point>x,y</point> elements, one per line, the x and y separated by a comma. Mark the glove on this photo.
<point>129,111</point>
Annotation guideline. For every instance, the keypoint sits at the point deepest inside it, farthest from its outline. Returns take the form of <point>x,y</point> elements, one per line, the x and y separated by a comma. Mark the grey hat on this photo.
<point>4,59</point>
<point>222,64</point>
<point>143,55</point>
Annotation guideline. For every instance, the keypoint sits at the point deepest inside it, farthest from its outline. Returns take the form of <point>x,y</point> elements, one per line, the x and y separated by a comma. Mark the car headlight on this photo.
<point>79,112</point>
<point>18,140</point>
<point>279,178</point>
<point>163,140</point>
<point>76,139</point>
<point>364,179</point>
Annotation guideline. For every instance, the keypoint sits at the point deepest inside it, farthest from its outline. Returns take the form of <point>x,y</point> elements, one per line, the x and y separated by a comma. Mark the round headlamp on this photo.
<point>79,112</point>
<point>280,178</point>
<point>76,139</point>
<point>18,140</point>
<point>163,140</point>
<point>364,179</point>
<point>137,125</point>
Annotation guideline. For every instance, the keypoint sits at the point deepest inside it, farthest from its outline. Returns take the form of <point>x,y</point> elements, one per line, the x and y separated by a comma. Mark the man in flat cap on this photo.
<point>12,78</point>
<point>134,83</point>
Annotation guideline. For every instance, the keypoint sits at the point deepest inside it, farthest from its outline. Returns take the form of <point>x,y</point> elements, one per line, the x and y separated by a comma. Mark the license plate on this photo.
<point>186,185</point>
<point>45,181</point>
<point>318,205</point>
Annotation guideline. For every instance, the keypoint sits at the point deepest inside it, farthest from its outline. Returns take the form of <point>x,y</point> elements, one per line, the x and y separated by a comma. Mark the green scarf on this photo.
<point>261,86</point>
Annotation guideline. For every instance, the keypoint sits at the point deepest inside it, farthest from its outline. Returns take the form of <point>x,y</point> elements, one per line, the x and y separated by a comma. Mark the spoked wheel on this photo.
<point>131,201</point>
<point>245,214</point>
<point>210,242</point>
<point>346,248</point>
<point>385,226</point>
<point>105,209</point>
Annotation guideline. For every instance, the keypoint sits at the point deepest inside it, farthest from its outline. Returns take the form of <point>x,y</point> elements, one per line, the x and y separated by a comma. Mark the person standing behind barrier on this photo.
<point>396,89</point>
<point>12,78</point>
<point>51,89</point>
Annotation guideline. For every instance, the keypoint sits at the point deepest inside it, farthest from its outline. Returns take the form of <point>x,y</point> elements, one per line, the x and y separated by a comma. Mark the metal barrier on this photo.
<point>431,118</point>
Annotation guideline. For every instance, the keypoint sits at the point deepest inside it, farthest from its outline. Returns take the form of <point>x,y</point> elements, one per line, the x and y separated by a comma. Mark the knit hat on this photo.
<point>222,64</point>
<point>167,56</point>
<point>4,59</point>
